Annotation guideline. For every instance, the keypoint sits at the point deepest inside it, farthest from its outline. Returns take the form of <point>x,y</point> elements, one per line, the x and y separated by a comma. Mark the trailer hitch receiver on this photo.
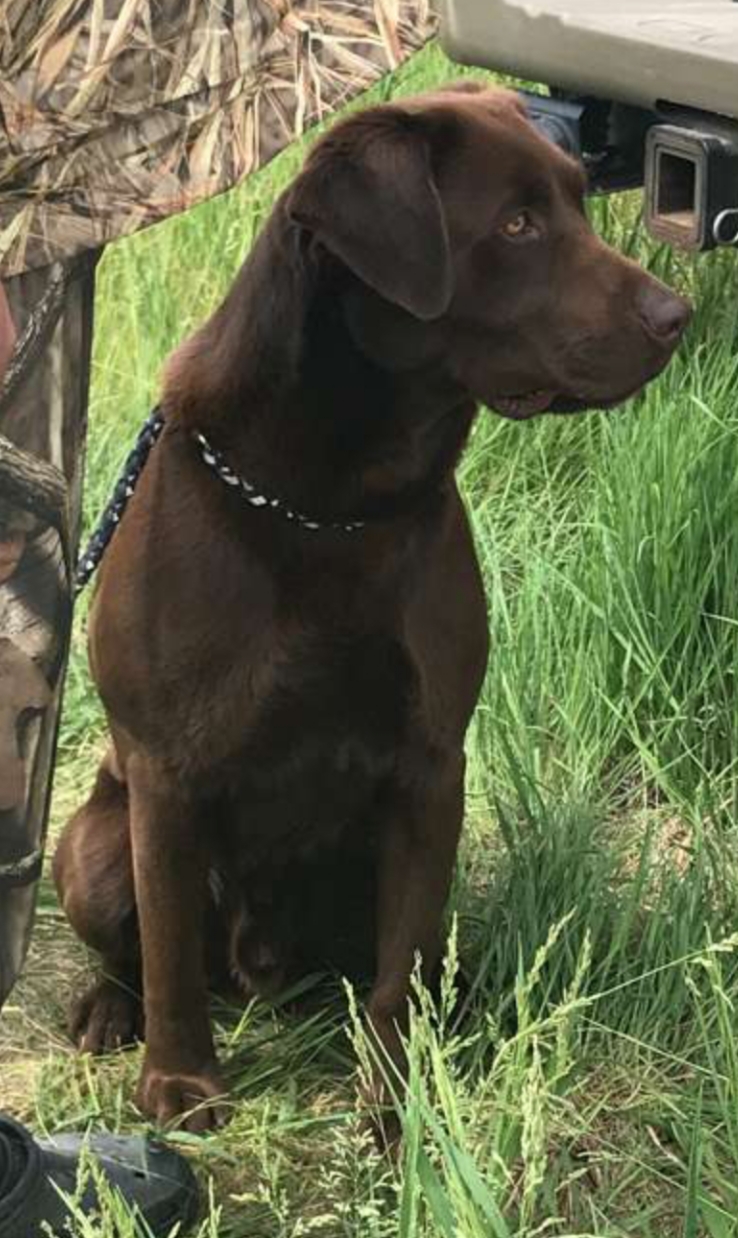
<point>691,186</point>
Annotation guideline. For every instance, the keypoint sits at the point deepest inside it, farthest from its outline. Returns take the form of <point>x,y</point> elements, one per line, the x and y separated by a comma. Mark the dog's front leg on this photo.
<point>417,854</point>
<point>170,866</point>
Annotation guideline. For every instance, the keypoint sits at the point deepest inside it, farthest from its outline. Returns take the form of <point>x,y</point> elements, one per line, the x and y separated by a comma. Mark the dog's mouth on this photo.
<point>520,407</point>
<point>533,403</point>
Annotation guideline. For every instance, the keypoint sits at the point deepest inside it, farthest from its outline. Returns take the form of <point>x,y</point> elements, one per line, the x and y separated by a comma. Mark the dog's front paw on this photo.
<point>194,1102</point>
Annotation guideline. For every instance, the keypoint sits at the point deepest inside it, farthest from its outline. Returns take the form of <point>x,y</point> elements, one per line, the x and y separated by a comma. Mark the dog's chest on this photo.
<point>331,732</point>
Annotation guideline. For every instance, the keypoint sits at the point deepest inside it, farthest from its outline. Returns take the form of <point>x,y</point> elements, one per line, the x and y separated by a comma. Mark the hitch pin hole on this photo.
<point>725,227</point>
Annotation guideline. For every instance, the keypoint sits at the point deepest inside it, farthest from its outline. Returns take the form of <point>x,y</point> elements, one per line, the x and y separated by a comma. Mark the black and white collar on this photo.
<point>216,461</point>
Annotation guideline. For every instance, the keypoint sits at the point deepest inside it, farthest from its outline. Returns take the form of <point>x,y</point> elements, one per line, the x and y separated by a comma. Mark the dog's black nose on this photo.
<point>664,314</point>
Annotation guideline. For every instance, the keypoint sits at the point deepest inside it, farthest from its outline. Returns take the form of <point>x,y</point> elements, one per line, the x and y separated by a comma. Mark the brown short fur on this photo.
<point>288,708</point>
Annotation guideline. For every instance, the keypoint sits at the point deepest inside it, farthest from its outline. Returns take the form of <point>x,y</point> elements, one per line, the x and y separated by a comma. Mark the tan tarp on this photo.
<point>117,113</point>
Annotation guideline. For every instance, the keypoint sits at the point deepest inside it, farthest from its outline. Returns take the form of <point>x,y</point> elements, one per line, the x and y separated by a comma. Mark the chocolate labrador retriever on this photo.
<point>289,633</point>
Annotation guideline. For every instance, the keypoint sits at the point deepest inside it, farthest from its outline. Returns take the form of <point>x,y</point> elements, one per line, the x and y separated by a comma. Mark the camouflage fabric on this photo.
<point>117,113</point>
<point>43,406</point>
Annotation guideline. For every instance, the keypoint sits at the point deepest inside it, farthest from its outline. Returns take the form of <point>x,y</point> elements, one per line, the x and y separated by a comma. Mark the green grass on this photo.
<point>592,1088</point>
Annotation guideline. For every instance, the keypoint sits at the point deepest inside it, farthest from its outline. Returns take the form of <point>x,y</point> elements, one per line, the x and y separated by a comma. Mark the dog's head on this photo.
<point>464,238</point>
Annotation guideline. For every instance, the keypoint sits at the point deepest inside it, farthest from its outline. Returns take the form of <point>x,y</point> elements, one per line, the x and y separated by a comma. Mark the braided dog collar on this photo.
<point>216,461</point>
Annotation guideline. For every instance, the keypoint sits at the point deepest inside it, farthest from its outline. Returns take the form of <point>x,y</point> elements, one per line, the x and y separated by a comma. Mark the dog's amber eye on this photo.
<point>520,226</point>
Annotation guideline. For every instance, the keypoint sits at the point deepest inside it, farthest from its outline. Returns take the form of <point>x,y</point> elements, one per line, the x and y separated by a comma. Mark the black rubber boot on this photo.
<point>149,1176</point>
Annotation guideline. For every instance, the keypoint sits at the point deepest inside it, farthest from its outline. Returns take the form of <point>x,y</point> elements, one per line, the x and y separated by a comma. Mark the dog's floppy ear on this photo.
<point>370,198</point>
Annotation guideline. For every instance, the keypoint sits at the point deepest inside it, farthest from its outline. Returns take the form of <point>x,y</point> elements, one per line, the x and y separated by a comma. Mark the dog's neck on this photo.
<point>291,380</point>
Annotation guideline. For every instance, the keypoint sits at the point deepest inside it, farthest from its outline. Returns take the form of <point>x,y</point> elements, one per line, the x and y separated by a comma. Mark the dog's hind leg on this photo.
<point>93,872</point>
